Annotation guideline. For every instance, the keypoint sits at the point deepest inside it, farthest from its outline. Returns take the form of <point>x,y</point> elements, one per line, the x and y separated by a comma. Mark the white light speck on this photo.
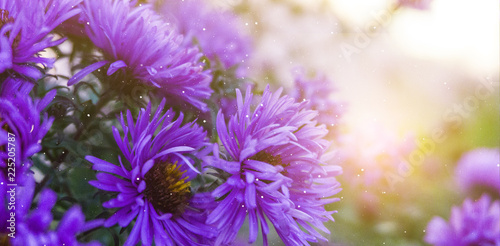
<point>88,115</point>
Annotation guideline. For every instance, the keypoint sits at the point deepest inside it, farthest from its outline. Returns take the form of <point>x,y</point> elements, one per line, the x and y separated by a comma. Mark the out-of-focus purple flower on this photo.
<point>275,157</point>
<point>416,4</point>
<point>34,229</point>
<point>318,91</point>
<point>216,32</point>
<point>25,27</point>
<point>22,129</point>
<point>475,223</point>
<point>138,42</point>
<point>155,188</point>
<point>479,168</point>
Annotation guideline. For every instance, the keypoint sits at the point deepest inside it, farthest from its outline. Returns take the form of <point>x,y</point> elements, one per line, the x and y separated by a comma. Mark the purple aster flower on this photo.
<point>217,32</point>
<point>25,27</point>
<point>475,223</point>
<point>139,43</point>
<point>275,157</point>
<point>479,168</point>
<point>21,122</point>
<point>155,187</point>
<point>318,91</point>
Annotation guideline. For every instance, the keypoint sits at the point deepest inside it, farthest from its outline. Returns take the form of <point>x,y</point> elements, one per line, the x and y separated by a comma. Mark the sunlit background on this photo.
<point>406,76</point>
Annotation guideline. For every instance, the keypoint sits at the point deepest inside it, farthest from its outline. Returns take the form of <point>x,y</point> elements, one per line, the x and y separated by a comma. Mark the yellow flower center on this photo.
<point>166,189</point>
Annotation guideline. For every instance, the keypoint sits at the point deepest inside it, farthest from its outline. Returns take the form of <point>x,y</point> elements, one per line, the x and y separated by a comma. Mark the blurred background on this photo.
<point>418,82</point>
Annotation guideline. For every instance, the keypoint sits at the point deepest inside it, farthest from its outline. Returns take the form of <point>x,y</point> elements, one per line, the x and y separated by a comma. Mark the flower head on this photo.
<point>25,27</point>
<point>154,186</point>
<point>275,157</point>
<point>21,129</point>
<point>475,223</point>
<point>479,168</point>
<point>216,32</point>
<point>318,92</point>
<point>139,43</point>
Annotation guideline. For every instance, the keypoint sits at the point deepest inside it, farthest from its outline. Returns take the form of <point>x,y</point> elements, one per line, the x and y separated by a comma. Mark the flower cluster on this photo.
<point>124,122</point>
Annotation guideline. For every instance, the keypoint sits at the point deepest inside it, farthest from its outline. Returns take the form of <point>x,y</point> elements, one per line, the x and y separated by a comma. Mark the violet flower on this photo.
<point>154,189</point>
<point>217,32</point>
<point>479,168</point>
<point>475,223</point>
<point>276,165</point>
<point>139,43</point>
<point>34,229</point>
<point>21,122</point>
<point>25,27</point>
<point>318,91</point>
